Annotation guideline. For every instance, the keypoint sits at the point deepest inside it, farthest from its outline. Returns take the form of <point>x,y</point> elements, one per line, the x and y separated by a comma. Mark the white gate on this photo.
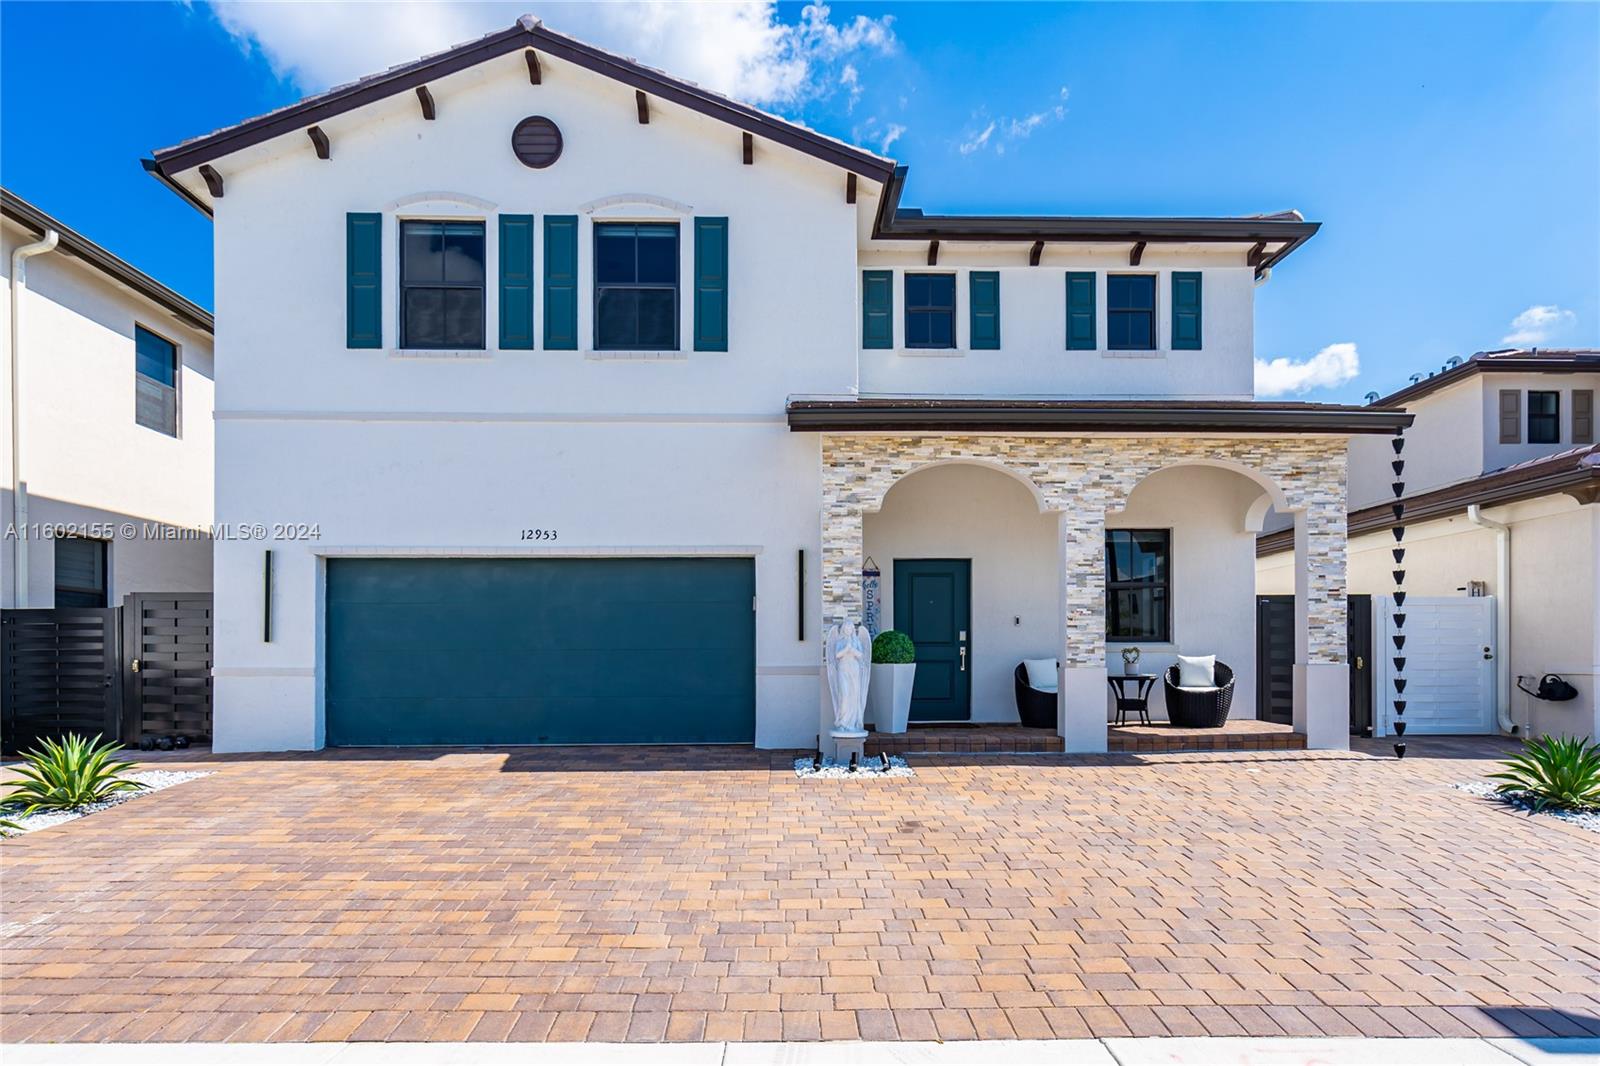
<point>1450,660</point>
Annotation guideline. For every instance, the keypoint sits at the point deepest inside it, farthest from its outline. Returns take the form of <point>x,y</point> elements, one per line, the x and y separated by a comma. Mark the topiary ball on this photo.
<point>893,646</point>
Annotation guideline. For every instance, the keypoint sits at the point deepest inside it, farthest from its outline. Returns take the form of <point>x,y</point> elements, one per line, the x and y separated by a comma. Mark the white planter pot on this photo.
<point>889,696</point>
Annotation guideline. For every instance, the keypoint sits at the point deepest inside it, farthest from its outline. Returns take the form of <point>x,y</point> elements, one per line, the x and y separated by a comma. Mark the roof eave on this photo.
<point>977,417</point>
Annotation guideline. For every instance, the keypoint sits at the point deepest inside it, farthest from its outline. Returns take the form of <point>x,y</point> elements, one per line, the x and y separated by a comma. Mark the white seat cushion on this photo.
<point>1041,674</point>
<point>1197,671</point>
<point>1203,690</point>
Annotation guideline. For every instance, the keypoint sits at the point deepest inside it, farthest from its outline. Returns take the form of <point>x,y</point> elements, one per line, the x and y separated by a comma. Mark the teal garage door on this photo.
<point>540,651</point>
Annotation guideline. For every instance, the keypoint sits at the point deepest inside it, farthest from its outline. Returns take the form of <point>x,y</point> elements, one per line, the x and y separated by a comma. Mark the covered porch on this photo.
<point>1006,519</point>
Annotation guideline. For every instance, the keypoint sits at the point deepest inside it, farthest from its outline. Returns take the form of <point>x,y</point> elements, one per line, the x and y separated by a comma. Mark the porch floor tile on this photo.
<point>964,739</point>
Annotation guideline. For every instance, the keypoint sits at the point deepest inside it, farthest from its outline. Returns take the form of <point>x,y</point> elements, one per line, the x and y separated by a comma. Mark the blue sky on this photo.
<point>1452,152</point>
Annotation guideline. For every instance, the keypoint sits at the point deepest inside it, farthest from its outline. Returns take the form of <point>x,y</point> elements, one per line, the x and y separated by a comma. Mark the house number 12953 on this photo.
<point>538,534</point>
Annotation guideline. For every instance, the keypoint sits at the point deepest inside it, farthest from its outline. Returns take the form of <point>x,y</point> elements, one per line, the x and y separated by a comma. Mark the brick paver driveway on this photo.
<point>695,894</point>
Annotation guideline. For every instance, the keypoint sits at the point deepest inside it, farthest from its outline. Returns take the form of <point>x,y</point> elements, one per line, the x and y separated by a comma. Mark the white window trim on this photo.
<point>442,207</point>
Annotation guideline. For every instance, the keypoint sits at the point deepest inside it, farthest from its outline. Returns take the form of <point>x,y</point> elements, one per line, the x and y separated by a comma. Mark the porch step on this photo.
<point>1141,739</point>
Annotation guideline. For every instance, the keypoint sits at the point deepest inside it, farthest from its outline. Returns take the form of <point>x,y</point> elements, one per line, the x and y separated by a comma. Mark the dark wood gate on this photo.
<point>167,639</point>
<point>63,674</point>
<point>1275,659</point>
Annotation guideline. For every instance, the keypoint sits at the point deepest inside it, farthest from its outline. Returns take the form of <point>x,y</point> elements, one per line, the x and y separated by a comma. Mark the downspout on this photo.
<point>19,488</point>
<point>1502,614</point>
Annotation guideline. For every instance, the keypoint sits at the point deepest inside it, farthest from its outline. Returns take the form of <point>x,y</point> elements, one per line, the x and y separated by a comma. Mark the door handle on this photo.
<point>963,658</point>
<point>1487,654</point>
<point>1361,663</point>
<point>134,666</point>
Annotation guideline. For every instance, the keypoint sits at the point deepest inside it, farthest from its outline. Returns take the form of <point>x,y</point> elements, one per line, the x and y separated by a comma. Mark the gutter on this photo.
<point>1502,614</point>
<point>19,488</point>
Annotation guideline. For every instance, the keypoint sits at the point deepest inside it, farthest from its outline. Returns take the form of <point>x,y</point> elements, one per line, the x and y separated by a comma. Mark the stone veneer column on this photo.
<point>1321,669</point>
<point>1081,695</point>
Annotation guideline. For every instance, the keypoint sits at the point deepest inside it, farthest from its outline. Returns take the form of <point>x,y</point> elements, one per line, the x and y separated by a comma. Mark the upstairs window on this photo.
<point>80,572</point>
<point>1131,312</point>
<point>441,285</point>
<point>1544,418</point>
<point>155,382</point>
<point>1138,573</point>
<point>930,311</point>
<point>636,286</point>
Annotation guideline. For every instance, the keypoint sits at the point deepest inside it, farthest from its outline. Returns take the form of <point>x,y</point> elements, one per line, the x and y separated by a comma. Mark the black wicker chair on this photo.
<point>1203,709</point>
<point>1036,709</point>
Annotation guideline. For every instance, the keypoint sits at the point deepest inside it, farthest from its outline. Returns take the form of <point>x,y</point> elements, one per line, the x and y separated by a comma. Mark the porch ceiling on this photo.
<point>955,415</point>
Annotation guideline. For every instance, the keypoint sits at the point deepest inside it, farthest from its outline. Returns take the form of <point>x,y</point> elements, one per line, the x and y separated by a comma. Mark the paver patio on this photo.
<point>707,894</point>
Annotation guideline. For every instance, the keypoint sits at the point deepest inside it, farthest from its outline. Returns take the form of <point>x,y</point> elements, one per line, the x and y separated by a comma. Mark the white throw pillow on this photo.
<point>1041,674</point>
<point>1197,671</point>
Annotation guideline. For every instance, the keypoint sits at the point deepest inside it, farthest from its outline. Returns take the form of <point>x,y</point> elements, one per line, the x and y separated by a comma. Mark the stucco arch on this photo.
<point>1040,500</point>
<point>1273,493</point>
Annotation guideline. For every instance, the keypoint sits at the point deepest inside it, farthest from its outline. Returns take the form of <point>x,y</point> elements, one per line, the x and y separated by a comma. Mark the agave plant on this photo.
<point>1554,772</point>
<point>69,772</point>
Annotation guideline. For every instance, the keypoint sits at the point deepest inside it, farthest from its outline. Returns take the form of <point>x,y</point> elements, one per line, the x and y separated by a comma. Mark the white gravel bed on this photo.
<point>871,766</point>
<point>1589,820</point>
<point>153,780</point>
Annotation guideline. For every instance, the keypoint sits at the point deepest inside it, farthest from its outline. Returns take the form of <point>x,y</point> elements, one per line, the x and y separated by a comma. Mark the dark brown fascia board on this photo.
<point>945,416</point>
<point>179,158</point>
<point>151,168</point>
<point>1521,364</point>
<point>75,243</point>
<point>893,223</point>
<point>1580,482</point>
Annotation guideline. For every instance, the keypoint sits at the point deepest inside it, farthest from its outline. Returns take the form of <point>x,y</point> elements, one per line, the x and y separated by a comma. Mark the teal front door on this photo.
<point>933,606</point>
<point>540,651</point>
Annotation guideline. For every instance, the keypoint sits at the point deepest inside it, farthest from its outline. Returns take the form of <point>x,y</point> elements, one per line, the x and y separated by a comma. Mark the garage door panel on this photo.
<point>525,651</point>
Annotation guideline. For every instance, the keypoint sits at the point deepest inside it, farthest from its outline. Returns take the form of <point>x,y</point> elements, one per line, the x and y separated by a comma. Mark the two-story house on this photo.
<point>1501,495</point>
<point>575,399</point>
<point>107,438</point>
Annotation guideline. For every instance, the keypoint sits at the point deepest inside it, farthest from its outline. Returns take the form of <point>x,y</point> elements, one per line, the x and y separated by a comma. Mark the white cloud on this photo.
<point>892,134</point>
<point>743,49</point>
<point>1335,365</point>
<point>1538,324</point>
<point>977,142</point>
<point>1011,129</point>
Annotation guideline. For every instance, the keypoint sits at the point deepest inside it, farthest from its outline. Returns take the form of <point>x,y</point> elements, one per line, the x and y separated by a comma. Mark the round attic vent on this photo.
<point>536,141</point>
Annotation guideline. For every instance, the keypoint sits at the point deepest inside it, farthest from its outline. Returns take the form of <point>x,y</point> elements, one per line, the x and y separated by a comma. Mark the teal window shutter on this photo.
<point>984,287</point>
<point>516,281</point>
<point>1081,311</point>
<point>561,282</point>
<point>1186,310</point>
<point>363,262</point>
<point>877,309</point>
<point>711,284</point>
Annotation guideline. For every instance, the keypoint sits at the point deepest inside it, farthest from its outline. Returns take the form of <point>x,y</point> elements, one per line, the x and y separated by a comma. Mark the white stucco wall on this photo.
<point>1444,445</point>
<point>85,460</point>
<point>971,512</point>
<point>1555,545</point>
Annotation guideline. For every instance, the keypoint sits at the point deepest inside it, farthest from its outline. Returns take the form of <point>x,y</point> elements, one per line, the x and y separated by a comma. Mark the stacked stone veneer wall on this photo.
<point>1082,478</point>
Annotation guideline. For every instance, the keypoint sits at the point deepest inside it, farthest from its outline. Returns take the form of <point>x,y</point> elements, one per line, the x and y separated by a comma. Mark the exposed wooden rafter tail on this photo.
<point>319,141</point>
<point>535,75</point>
<point>642,103</point>
<point>749,149</point>
<point>1256,254</point>
<point>213,180</point>
<point>425,98</point>
<point>1035,252</point>
<point>849,188</point>
<point>1135,256</point>
<point>933,253</point>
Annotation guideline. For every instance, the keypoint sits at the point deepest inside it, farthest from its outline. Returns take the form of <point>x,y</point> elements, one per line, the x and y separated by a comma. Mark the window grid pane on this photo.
<point>636,286</point>
<point>1138,596</point>
<point>442,281</point>
<point>930,311</point>
<point>1131,312</point>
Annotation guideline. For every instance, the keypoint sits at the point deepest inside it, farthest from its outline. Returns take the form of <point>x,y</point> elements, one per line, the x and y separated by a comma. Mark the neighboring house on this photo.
<point>108,423</point>
<point>577,397</point>
<point>1501,485</point>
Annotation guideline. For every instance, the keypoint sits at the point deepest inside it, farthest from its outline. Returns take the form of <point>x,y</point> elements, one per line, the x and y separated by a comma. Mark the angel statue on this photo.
<point>849,670</point>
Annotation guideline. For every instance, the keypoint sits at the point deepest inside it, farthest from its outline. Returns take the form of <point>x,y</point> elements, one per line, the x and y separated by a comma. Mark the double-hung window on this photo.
<point>1138,577</point>
<point>1131,312</point>
<point>930,311</point>
<point>155,382</point>
<point>636,286</point>
<point>1544,418</point>
<point>441,285</point>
